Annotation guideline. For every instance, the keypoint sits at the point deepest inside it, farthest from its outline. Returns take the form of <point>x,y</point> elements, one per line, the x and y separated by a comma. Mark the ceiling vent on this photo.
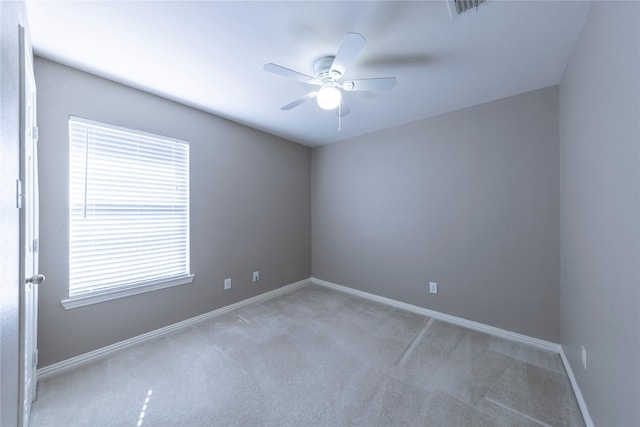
<point>457,7</point>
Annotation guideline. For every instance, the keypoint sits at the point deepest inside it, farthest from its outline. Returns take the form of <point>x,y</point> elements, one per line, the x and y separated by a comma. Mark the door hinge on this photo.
<point>18,194</point>
<point>35,357</point>
<point>36,245</point>
<point>36,133</point>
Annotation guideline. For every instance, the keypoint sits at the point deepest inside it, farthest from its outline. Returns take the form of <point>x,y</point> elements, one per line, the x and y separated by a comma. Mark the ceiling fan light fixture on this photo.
<point>329,98</point>
<point>328,75</point>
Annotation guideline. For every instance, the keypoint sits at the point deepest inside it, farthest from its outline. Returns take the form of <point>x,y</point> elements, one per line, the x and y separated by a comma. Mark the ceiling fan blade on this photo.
<point>383,83</point>
<point>285,72</point>
<point>351,45</point>
<point>299,101</point>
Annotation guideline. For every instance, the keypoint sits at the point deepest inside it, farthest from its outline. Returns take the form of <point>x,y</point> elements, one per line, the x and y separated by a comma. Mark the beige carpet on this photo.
<point>315,357</point>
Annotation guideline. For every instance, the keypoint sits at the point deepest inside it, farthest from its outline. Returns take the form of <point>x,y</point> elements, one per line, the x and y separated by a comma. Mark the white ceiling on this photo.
<point>209,55</point>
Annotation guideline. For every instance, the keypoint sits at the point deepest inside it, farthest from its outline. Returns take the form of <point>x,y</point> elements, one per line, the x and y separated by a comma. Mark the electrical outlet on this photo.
<point>256,276</point>
<point>584,358</point>
<point>433,287</point>
<point>227,284</point>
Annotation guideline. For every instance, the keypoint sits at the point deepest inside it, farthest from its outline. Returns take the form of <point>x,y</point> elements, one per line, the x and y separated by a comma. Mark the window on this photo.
<point>128,212</point>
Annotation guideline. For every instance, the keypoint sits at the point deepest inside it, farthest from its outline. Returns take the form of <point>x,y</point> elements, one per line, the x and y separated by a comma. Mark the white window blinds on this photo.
<point>129,209</point>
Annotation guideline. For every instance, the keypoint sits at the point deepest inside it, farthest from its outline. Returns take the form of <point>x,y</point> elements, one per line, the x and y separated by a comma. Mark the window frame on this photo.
<point>137,287</point>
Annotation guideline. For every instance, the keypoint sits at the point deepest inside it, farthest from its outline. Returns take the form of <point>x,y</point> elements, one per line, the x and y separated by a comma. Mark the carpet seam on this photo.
<point>414,342</point>
<point>529,417</point>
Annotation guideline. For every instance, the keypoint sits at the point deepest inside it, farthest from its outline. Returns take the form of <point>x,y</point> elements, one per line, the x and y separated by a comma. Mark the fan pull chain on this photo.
<point>340,116</point>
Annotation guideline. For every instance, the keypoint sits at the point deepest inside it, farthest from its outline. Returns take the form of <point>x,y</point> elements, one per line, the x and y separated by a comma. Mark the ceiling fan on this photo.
<point>328,72</point>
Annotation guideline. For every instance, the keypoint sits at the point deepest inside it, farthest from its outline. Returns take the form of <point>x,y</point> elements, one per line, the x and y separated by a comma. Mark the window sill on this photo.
<point>71,303</point>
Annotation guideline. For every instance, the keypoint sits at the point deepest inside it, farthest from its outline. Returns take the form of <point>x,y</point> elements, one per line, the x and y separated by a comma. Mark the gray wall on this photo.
<point>250,210</point>
<point>600,212</point>
<point>12,14</point>
<point>469,199</point>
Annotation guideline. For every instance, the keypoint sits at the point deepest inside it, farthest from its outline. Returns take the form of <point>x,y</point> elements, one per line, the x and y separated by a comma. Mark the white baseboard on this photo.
<point>476,326</point>
<point>100,353</point>
<point>576,390</point>
<point>82,359</point>
<point>469,324</point>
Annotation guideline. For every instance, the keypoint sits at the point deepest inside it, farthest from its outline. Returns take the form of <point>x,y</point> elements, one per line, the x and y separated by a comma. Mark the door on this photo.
<point>29,227</point>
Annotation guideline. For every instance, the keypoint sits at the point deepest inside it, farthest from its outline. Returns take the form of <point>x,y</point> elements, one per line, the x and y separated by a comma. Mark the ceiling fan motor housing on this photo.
<point>324,75</point>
